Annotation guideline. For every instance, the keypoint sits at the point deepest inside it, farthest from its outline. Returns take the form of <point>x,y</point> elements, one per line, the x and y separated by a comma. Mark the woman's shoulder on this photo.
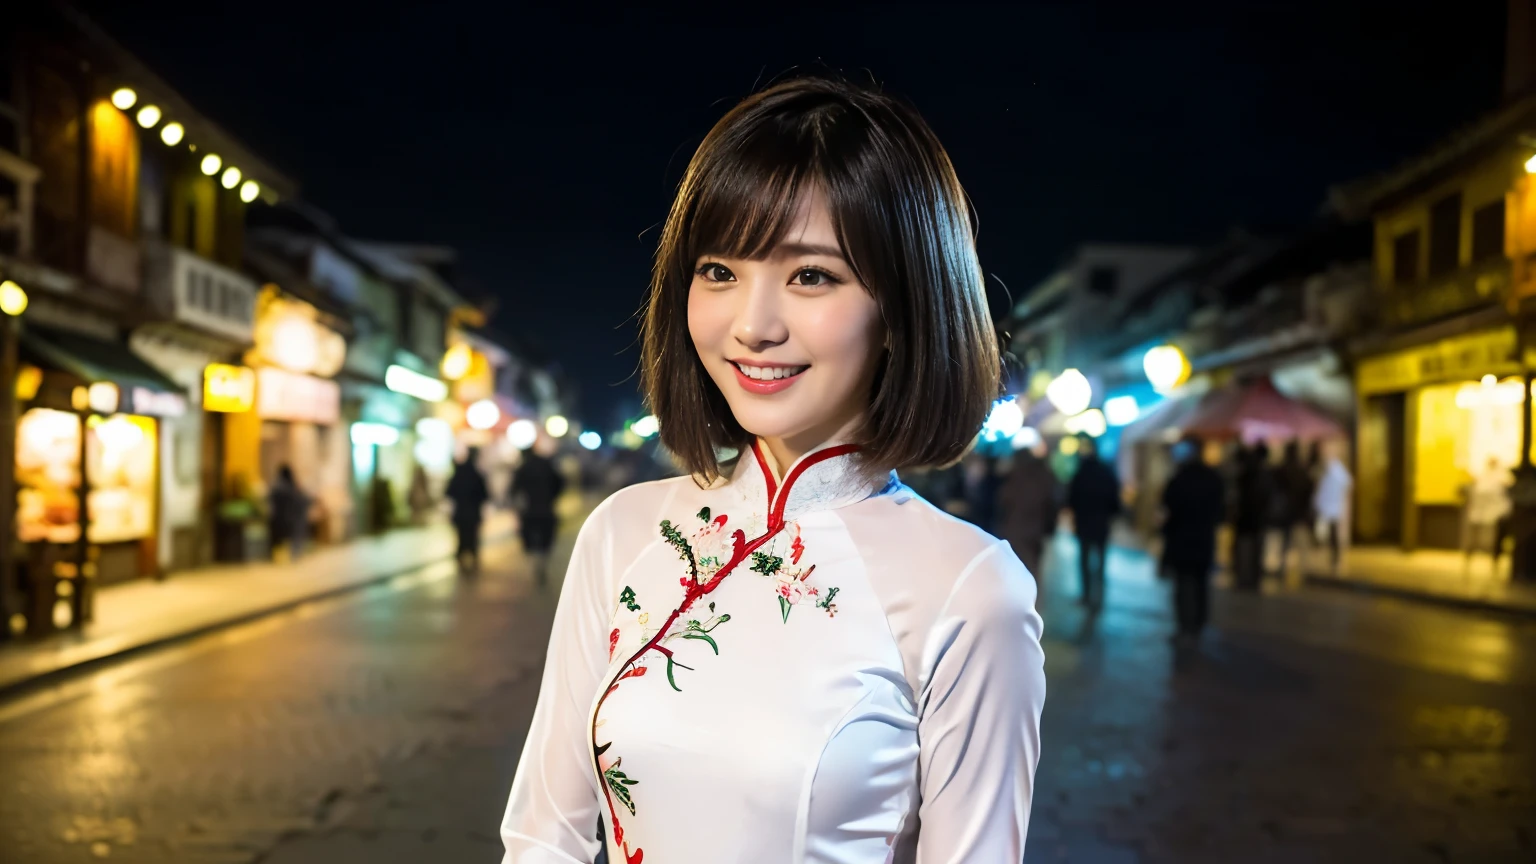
<point>936,560</point>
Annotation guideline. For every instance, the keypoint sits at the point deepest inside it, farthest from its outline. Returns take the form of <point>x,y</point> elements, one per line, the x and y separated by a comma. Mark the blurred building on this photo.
<point>1442,382</point>
<point>121,238</point>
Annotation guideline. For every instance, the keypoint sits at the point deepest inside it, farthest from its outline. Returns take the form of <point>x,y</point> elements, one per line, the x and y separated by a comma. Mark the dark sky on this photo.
<point>545,143</point>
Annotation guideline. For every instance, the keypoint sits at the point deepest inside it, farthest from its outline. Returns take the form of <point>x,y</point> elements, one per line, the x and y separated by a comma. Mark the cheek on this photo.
<point>708,320</point>
<point>848,333</point>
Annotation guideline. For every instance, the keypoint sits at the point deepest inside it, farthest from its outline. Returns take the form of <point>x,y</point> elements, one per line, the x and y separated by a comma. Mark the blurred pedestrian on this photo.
<point>1488,508</point>
<point>1094,498</point>
<point>982,479</point>
<point>419,499</point>
<point>287,513</point>
<point>536,487</point>
<point>1331,503</point>
<point>1255,511</point>
<point>1026,510</point>
<point>1193,507</point>
<point>1295,486</point>
<point>468,492</point>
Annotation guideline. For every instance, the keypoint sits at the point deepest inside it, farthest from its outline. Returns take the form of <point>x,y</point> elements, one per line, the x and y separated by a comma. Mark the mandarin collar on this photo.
<point>826,478</point>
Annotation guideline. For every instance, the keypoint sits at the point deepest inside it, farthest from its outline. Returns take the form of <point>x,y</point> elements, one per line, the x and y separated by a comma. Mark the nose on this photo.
<point>759,321</point>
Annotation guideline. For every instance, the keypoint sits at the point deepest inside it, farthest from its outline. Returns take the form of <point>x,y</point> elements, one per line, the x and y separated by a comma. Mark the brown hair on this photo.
<point>904,225</point>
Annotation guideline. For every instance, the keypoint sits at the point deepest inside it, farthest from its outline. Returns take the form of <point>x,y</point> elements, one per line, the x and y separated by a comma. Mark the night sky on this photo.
<point>545,144</point>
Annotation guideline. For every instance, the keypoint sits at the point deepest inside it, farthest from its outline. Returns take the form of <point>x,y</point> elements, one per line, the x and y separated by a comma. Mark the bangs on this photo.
<point>743,202</point>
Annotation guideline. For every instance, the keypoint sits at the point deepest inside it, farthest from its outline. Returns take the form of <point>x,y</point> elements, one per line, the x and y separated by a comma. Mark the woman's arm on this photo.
<point>979,728</point>
<point>552,815</point>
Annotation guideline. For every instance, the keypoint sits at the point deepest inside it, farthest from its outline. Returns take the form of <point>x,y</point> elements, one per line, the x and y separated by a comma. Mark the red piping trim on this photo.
<point>776,517</point>
<point>773,485</point>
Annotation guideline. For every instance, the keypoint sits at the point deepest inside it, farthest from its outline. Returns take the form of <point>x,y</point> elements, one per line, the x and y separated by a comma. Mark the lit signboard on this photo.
<point>229,389</point>
<point>283,395</point>
<point>412,383</point>
<point>156,404</point>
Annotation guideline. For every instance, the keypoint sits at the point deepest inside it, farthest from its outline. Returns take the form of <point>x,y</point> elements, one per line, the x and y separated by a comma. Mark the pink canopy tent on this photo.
<point>1255,411</point>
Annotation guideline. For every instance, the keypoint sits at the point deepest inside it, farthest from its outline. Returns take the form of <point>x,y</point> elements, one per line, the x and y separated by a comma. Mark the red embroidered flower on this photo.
<point>613,642</point>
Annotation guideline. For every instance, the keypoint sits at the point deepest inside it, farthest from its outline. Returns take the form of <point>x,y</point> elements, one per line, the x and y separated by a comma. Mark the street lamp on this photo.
<point>1166,367</point>
<point>1070,392</point>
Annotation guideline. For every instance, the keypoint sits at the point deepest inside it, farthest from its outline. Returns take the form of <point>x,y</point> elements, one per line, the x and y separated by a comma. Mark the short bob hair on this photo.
<point>903,223</point>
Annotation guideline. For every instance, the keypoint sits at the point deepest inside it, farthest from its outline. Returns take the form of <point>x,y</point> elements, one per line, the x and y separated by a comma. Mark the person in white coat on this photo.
<point>1331,504</point>
<point>794,658</point>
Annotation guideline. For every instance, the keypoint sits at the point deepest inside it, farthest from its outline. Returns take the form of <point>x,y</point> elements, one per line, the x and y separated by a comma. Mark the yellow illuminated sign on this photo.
<point>229,389</point>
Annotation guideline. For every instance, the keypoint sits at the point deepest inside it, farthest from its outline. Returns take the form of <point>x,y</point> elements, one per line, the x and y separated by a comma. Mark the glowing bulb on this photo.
<point>13,300</point>
<point>557,426</point>
<point>646,426</point>
<point>1006,419</point>
<point>231,177</point>
<point>1530,165</point>
<point>149,115</point>
<point>590,440</point>
<point>172,134</point>
<point>1026,438</point>
<point>456,362</point>
<point>124,97</point>
<point>1166,367</point>
<point>1490,380</point>
<point>249,190</point>
<point>482,415</point>
<point>1121,410</point>
<point>1070,392</point>
<point>211,164</point>
<point>522,433</point>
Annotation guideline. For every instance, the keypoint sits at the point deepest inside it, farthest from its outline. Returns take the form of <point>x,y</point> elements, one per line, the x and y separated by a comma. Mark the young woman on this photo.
<point>794,658</point>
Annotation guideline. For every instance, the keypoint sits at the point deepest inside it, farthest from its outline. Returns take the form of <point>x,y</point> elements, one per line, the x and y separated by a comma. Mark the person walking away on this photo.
<point>1331,502</point>
<point>287,513</point>
<point>1193,508</point>
<point>1255,507</point>
<point>536,486</point>
<point>1295,488</point>
<point>468,492</point>
<point>1094,498</point>
<point>1026,510</point>
<point>1488,510</point>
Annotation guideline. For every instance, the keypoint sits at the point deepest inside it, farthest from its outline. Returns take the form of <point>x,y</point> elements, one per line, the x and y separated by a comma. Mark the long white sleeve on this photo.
<point>979,727</point>
<point>553,811</point>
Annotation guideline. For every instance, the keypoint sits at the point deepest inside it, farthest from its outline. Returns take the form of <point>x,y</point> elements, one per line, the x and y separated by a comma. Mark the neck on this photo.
<point>788,449</point>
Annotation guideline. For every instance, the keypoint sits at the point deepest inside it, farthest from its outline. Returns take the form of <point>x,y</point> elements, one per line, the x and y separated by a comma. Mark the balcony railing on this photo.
<point>1439,297</point>
<point>195,291</point>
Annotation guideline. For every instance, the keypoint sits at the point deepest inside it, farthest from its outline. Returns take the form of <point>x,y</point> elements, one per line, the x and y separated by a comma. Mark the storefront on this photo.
<point>295,418</point>
<point>1431,418</point>
<point>89,508</point>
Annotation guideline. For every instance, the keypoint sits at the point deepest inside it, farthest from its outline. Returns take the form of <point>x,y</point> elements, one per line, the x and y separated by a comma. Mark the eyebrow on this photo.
<point>808,249</point>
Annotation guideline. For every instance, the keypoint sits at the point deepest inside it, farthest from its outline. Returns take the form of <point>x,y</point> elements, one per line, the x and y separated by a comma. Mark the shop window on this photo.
<point>114,169</point>
<point>1405,258</point>
<point>1488,232</point>
<point>1462,428</point>
<point>1445,235</point>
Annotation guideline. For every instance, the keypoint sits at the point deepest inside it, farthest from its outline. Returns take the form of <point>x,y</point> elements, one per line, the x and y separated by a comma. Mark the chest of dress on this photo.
<point>733,659</point>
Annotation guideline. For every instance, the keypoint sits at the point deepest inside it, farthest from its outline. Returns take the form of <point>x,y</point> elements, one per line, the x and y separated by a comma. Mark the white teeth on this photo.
<point>770,373</point>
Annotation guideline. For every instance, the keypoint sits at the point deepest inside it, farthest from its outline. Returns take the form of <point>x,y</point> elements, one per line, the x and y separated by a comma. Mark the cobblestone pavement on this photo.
<point>384,727</point>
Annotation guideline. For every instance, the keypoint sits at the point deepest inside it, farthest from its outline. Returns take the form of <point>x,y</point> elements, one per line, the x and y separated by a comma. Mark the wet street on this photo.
<point>384,727</point>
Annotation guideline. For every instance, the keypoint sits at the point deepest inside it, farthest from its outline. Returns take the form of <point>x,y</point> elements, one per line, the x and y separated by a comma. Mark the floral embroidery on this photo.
<point>711,552</point>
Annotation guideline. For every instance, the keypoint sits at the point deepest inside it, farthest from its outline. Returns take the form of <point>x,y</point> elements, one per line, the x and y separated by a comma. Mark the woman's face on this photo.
<point>792,340</point>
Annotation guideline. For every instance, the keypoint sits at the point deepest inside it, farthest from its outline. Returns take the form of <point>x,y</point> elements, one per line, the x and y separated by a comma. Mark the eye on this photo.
<point>712,271</point>
<point>814,277</point>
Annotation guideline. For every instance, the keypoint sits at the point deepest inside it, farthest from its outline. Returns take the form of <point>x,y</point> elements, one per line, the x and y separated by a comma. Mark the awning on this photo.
<point>1250,411</point>
<point>92,360</point>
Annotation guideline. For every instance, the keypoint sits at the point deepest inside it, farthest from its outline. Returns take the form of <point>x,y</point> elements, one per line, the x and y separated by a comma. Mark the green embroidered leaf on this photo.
<point>784,606</point>
<point>706,637</point>
<point>684,551</point>
<point>619,784</point>
<point>827,600</point>
<point>766,564</point>
<point>723,618</point>
<point>627,597</point>
<point>670,679</point>
<point>704,515</point>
